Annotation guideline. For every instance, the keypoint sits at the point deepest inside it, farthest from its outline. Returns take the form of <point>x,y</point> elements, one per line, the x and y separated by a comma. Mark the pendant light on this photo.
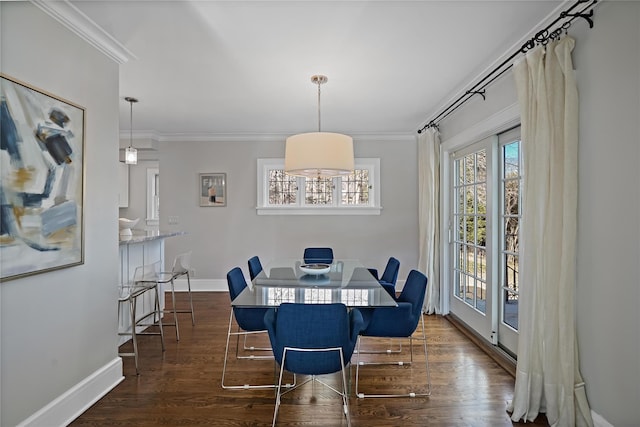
<point>319,154</point>
<point>130,153</point>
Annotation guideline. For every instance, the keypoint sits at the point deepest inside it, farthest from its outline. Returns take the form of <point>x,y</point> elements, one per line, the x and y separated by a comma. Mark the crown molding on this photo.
<point>80,24</point>
<point>265,137</point>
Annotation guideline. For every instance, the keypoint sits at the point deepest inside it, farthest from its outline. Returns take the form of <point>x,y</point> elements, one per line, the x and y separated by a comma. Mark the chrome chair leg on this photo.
<point>387,351</point>
<point>313,379</point>
<point>173,309</point>
<point>399,363</point>
<point>134,338</point>
<point>193,315</point>
<point>226,357</point>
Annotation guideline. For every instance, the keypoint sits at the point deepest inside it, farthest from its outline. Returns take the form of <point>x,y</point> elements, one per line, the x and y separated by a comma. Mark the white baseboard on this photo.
<point>69,405</point>
<point>200,285</point>
<point>599,421</point>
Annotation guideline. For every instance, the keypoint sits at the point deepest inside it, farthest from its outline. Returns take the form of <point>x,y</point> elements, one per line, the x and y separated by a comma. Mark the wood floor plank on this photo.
<point>182,386</point>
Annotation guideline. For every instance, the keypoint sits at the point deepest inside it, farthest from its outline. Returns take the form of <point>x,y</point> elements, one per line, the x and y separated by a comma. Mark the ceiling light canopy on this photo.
<point>319,154</point>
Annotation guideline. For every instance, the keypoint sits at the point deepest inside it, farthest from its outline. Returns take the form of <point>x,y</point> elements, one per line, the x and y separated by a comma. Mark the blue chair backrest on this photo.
<point>255,267</point>
<point>318,255</point>
<point>400,321</point>
<point>413,292</point>
<point>310,326</point>
<point>249,319</point>
<point>236,282</point>
<point>390,274</point>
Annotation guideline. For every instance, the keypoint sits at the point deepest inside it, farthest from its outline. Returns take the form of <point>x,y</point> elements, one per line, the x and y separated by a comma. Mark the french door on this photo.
<point>470,231</point>
<point>483,225</point>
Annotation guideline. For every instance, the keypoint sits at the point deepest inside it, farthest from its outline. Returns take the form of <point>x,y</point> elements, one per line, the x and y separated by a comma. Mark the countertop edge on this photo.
<point>141,236</point>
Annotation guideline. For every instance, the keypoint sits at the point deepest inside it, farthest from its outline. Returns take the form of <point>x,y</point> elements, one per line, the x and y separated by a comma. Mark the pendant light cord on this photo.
<point>131,123</point>
<point>319,121</point>
<point>131,101</point>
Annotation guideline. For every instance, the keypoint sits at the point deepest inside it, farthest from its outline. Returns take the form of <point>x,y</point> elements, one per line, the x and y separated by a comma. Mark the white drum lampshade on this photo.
<point>319,154</point>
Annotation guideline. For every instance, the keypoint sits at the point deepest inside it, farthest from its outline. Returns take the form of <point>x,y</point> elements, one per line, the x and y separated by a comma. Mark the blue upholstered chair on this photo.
<point>313,339</point>
<point>389,276</point>
<point>318,255</point>
<point>250,321</point>
<point>255,267</point>
<point>398,323</point>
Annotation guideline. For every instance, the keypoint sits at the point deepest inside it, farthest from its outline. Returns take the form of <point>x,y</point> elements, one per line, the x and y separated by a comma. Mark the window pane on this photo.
<point>481,232</point>
<point>458,286</point>
<point>318,191</point>
<point>470,264</point>
<point>469,231</point>
<point>481,166</point>
<point>481,203</point>
<point>468,290</point>
<point>470,200</point>
<point>511,199</point>
<point>511,233</point>
<point>355,188</point>
<point>510,245</point>
<point>511,159</point>
<point>461,200</point>
<point>459,172</point>
<point>510,309</point>
<point>511,272</point>
<point>469,168</point>
<point>283,188</point>
<point>481,264</point>
<point>481,296</point>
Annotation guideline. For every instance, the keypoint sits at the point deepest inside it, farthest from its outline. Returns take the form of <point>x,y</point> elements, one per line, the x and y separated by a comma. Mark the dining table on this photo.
<point>345,281</point>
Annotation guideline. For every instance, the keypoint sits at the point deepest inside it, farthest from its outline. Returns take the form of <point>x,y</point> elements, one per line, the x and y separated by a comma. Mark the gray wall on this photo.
<point>607,60</point>
<point>58,328</point>
<point>224,237</point>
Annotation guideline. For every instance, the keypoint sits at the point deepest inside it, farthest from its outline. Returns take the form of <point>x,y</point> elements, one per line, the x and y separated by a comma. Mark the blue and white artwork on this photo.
<point>41,181</point>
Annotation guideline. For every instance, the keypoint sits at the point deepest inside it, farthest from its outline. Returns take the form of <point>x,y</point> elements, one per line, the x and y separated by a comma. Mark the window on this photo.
<point>282,194</point>
<point>153,196</point>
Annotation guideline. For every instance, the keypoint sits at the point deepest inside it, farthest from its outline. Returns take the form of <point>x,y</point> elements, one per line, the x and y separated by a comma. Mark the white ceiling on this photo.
<point>242,68</point>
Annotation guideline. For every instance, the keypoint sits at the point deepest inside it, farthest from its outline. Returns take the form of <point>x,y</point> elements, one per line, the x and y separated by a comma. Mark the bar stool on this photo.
<point>144,281</point>
<point>181,267</point>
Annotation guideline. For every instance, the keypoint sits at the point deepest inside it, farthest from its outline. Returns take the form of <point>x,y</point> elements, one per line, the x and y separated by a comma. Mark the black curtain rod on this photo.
<point>542,37</point>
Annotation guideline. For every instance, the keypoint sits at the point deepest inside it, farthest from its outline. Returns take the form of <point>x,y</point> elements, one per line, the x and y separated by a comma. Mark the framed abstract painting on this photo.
<point>41,181</point>
<point>213,189</point>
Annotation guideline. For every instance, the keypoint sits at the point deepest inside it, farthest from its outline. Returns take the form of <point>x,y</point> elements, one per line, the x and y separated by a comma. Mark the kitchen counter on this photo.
<point>142,248</point>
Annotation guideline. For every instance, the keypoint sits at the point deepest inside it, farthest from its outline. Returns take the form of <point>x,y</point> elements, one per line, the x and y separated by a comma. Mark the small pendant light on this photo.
<point>130,153</point>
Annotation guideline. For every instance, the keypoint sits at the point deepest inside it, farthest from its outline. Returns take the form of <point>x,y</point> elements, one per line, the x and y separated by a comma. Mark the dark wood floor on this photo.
<point>181,387</point>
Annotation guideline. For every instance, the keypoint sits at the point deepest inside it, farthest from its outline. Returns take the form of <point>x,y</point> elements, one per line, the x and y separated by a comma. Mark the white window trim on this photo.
<point>264,165</point>
<point>153,217</point>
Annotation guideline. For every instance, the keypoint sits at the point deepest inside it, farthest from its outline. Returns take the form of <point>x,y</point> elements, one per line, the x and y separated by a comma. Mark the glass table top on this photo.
<point>347,282</point>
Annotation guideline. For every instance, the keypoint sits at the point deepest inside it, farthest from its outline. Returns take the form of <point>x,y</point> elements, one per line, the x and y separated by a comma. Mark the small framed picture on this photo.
<point>213,189</point>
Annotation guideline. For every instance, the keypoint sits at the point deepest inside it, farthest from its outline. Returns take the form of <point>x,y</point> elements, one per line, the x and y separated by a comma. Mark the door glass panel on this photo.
<point>470,216</point>
<point>510,242</point>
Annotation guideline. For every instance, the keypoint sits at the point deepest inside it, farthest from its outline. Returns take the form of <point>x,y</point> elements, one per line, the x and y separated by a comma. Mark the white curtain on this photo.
<point>428,215</point>
<point>547,376</point>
